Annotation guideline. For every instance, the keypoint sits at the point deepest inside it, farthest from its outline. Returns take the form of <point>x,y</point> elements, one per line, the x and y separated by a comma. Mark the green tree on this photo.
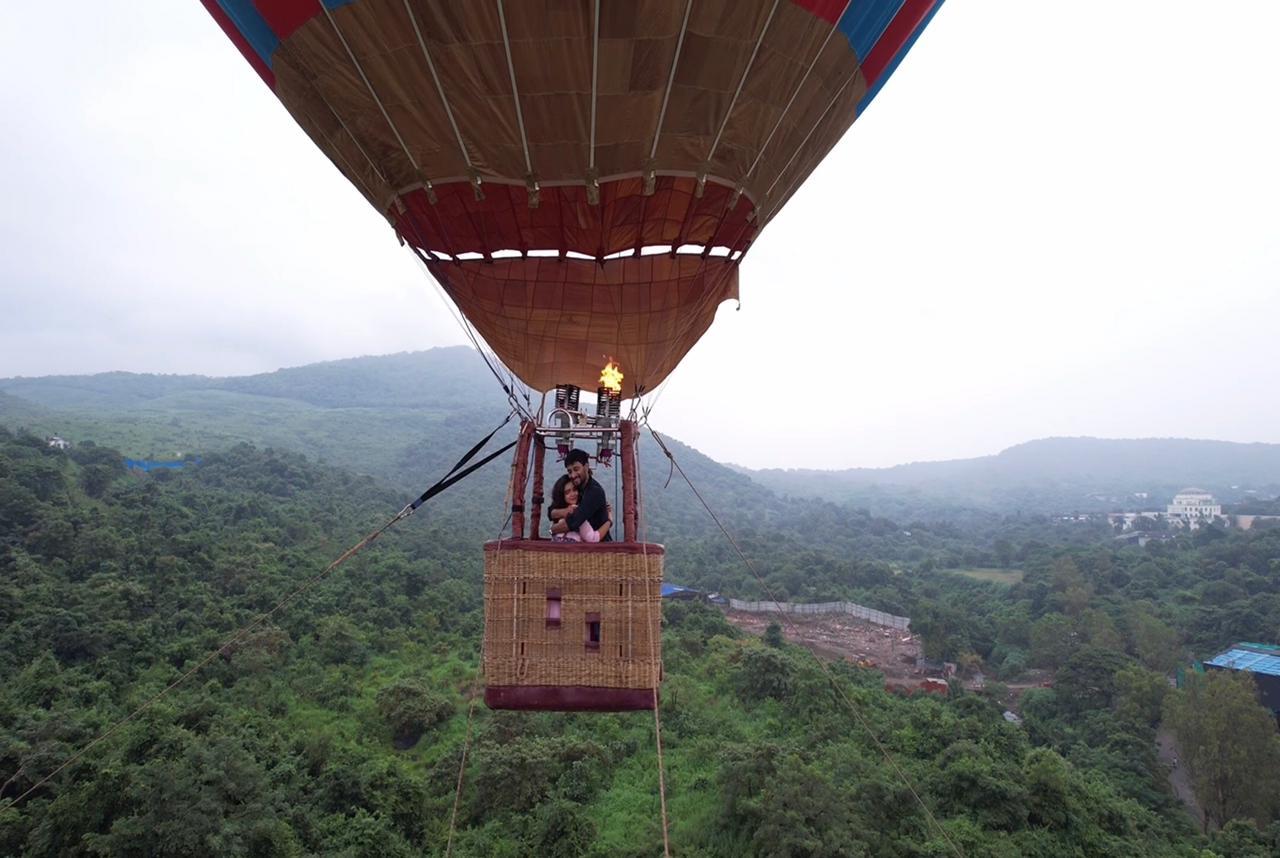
<point>1139,695</point>
<point>1072,591</point>
<point>1087,680</point>
<point>1053,639</point>
<point>341,642</point>
<point>1230,745</point>
<point>1099,630</point>
<point>561,829</point>
<point>764,673</point>
<point>1004,552</point>
<point>409,707</point>
<point>1155,642</point>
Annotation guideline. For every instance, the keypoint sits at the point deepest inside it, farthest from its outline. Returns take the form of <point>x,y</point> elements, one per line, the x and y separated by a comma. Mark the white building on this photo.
<point>1193,506</point>
<point>58,443</point>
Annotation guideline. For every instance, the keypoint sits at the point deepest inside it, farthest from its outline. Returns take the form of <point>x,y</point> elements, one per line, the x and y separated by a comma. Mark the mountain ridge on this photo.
<point>393,408</point>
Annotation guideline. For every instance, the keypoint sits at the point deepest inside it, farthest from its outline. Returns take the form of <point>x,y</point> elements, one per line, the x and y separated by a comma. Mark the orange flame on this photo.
<point>611,376</point>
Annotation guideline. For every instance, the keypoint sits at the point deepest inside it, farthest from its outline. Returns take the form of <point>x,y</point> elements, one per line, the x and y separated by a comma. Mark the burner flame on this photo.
<point>611,377</point>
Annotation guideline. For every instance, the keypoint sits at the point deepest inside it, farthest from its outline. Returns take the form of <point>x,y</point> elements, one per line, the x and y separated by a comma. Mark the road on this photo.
<point>1179,777</point>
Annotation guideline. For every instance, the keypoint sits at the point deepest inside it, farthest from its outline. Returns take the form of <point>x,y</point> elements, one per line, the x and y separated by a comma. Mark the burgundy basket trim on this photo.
<point>567,698</point>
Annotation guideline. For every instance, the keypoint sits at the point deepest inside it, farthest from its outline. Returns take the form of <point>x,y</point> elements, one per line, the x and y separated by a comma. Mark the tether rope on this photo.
<point>888,756</point>
<point>462,769</point>
<point>466,743</point>
<point>449,479</point>
<point>653,656</point>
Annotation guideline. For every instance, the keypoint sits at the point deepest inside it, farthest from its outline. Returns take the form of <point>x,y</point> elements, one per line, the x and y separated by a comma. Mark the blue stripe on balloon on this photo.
<point>253,27</point>
<point>897,60</point>
<point>863,23</point>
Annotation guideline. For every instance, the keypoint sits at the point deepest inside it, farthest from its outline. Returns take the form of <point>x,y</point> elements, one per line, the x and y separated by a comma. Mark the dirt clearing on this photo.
<point>840,636</point>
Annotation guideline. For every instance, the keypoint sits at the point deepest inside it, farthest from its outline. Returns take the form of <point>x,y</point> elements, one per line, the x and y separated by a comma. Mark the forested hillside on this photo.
<point>394,416</point>
<point>112,583</point>
<point>405,419</point>
<point>397,417</point>
<point>115,583</point>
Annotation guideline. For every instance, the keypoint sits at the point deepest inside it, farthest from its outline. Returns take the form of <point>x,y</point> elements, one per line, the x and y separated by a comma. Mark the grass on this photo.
<point>999,576</point>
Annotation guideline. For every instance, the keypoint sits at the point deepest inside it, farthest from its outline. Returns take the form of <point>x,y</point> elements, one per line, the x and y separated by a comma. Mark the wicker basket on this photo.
<point>572,626</point>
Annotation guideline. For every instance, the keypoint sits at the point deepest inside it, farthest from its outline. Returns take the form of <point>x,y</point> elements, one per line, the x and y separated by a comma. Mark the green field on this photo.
<point>1000,576</point>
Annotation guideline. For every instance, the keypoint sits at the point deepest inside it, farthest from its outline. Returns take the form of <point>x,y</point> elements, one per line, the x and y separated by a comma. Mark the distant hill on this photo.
<point>364,414</point>
<point>404,417</point>
<point>438,378</point>
<point>1054,475</point>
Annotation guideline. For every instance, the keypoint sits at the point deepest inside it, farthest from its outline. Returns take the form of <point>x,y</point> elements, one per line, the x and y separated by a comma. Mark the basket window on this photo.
<point>553,609</point>
<point>593,632</point>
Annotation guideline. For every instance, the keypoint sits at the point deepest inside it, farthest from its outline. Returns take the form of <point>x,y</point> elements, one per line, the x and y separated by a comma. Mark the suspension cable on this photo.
<point>509,385</point>
<point>515,90</point>
<point>444,99</point>
<point>862,720</point>
<point>711,153</point>
<point>595,75</point>
<point>835,28</point>
<point>369,86</point>
<point>671,77</point>
<point>466,742</point>
<point>800,148</point>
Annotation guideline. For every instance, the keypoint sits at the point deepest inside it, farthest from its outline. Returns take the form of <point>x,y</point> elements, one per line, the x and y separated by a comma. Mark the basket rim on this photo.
<point>550,547</point>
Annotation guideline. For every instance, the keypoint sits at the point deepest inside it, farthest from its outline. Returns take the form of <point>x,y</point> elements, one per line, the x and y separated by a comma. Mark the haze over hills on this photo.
<point>398,417</point>
<point>1057,474</point>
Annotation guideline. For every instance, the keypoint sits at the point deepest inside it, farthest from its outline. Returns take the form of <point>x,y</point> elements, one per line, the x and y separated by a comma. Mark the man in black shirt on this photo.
<point>593,507</point>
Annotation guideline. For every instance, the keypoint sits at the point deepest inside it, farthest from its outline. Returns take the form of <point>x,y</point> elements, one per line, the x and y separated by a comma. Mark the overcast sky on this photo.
<point>1058,218</point>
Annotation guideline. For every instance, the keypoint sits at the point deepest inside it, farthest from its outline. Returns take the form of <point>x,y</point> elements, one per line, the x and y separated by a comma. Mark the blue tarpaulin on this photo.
<point>669,590</point>
<point>1255,658</point>
<point>149,465</point>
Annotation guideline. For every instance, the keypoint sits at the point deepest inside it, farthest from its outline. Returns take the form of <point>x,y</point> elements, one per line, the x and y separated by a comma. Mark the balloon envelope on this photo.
<point>621,155</point>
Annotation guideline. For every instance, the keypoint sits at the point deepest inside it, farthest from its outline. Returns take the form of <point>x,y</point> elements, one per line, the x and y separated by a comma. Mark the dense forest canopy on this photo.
<point>338,726</point>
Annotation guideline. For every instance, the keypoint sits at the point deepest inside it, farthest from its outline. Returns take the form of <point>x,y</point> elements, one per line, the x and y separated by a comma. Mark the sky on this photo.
<point>1058,218</point>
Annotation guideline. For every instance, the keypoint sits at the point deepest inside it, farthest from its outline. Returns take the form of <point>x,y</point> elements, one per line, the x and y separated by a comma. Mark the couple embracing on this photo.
<point>579,510</point>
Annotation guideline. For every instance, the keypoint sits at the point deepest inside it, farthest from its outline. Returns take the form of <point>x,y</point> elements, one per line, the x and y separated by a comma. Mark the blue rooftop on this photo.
<point>1251,657</point>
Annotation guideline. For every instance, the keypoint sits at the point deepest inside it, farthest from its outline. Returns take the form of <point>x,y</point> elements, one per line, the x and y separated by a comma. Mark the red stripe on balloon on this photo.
<point>827,10</point>
<point>285,16</point>
<point>909,18</point>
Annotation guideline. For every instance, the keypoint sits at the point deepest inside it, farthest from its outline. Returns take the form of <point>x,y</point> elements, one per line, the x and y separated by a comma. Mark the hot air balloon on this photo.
<point>583,178</point>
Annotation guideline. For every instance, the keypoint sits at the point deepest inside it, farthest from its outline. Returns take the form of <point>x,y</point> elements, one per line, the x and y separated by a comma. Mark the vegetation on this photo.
<point>998,576</point>
<point>338,726</point>
<point>1231,747</point>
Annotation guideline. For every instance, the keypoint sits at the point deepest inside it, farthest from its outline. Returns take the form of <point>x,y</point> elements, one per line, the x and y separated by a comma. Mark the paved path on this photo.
<point>1179,777</point>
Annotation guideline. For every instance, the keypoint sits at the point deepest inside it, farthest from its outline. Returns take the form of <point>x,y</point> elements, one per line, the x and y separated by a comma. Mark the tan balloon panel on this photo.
<point>601,129</point>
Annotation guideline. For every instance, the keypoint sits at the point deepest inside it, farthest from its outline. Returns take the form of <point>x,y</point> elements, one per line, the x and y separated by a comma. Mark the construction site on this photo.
<point>893,652</point>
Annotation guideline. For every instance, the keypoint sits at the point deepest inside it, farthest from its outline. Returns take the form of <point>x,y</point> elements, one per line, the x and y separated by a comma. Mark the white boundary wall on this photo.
<point>871,615</point>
